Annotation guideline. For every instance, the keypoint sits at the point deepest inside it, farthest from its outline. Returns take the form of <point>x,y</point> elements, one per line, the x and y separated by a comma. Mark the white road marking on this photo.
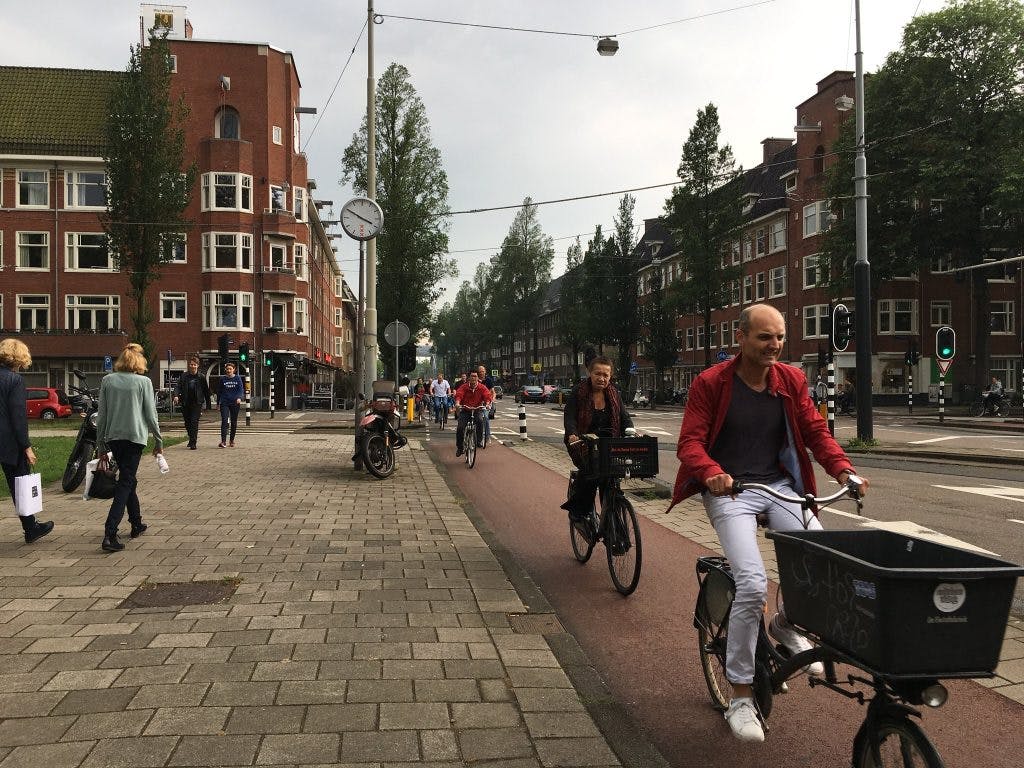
<point>1006,493</point>
<point>294,415</point>
<point>652,431</point>
<point>935,440</point>
<point>910,528</point>
<point>1012,520</point>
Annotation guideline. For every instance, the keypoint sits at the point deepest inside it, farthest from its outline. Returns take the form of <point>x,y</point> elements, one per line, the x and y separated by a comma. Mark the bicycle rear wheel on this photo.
<point>582,543</point>
<point>901,744</point>
<point>622,544</point>
<point>712,616</point>
<point>978,409</point>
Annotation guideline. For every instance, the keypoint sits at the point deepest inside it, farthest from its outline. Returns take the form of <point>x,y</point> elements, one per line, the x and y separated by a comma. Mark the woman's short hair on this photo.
<point>131,360</point>
<point>193,359</point>
<point>600,360</point>
<point>14,354</point>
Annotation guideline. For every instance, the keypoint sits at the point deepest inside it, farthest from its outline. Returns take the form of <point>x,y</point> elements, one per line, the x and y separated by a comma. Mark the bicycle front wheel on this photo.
<point>622,543</point>
<point>978,409</point>
<point>901,744</point>
<point>469,445</point>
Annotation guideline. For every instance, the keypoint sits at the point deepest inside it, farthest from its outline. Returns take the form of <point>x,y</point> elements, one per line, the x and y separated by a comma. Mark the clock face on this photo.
<point>362,218</point>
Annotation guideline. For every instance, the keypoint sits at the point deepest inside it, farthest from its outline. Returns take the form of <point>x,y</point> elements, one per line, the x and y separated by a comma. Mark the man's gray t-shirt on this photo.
<point>752,435</point>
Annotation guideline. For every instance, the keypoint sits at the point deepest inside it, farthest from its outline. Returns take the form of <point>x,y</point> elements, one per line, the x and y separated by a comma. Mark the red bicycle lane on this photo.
<point>645,647</point>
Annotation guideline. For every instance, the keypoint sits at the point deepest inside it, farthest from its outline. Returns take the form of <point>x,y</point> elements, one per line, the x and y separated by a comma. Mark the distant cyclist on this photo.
<point>752,419</point>
<point>472,394</point>
<point>440,390</point>
<point>487,381</point>
<point>993,395</point>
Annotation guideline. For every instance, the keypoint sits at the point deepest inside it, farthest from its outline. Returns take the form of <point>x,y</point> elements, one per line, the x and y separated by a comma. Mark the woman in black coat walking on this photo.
<point>16,454</point>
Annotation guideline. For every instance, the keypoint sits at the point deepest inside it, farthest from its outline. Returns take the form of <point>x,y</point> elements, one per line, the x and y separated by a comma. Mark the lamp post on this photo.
<point>862,268</point>
<point>369,339</point>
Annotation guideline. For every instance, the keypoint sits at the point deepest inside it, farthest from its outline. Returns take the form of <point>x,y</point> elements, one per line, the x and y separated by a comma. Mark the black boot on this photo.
<point>38,532</point>
<point>111,544</point>
<point>138,530</point>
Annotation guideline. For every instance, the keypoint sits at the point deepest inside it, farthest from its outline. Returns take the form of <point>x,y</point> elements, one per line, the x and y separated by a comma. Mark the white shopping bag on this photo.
<point>28,494</point>
<point>89,469</point>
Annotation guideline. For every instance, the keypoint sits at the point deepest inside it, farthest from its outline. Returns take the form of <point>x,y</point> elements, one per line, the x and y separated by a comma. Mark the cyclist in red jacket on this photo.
<point>471,394</point>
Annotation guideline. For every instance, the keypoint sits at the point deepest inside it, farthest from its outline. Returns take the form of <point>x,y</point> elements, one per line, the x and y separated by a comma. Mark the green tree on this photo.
<point>147,190</point>
<point>622,313</point>
<point>572,308</point>
<point>522,270</point>
<point>598,289</point>
<point>659,320</point>
<point>412,191</point>
<point>703,215</point>
<point>946,121</point>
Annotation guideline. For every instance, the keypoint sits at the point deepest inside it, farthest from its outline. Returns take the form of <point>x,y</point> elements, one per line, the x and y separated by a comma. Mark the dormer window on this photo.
<point>748,201</point>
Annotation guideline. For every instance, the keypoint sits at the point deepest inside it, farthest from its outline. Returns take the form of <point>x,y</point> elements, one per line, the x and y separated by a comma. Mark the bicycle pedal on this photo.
<point>784,687</point>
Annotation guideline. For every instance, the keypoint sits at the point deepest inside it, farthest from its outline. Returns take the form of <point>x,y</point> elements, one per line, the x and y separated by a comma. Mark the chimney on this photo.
<point>773,146</point>
<point>188,29</point>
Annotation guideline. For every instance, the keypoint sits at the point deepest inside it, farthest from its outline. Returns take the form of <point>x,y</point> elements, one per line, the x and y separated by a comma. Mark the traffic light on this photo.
<point>268,359</point>
<point>842,327</point>
<point>222,347</point>
<point>243,353</point>
<point>945,343</point>
<point>407,358</point>
<point>911,357</point>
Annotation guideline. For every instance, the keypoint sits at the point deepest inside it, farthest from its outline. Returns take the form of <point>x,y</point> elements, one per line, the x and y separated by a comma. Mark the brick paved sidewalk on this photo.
<point>370,626</point>
<point>689,520</point>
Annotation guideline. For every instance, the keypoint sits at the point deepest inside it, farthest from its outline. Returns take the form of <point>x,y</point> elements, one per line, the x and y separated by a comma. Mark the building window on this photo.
<point>777,282</point>
<point>277,315</point>
<point>942,264</point>
<point>227,251</point>
<point>173,307</point>
<point>812,271</point>
<point>689,338</point>
<point>178,247</point>
<point>277,198</point>
<point>713,336</point>
<point>300,317</point>
<point>275,133</point>
<point>748,247</point>
<point>33,189</point>
<point>87,251</point>
<point>700,337</point>
<point>778,235</point>
<point>227,124</point>
<point>816,321</point>
<point>748,289</point>
<point>941,313</point>
<point>338,317</point>
<point>338,286</point>
<point>93,313</point>
<point>897,316</point>
<point>278,257</point>
<point>761,241</point>
<point>1001,318</point>
<point>86,189</point>
<point>33,250</point>
<point>337,346</point>
<point>299,203</point>
<point>725,334</point>
<point>227,311</point>
<point>735,330</point>
<point>33,313</point>
<point>735,249</point>
<point>227,192</point>
<point>760,291</point>
<point>172,63</point>
<point>299,254</point>
<point>816,218</point>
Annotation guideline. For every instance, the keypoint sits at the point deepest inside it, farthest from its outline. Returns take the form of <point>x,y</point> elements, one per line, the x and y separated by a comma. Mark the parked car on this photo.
<point>530,394</point>
<point>47,403</point>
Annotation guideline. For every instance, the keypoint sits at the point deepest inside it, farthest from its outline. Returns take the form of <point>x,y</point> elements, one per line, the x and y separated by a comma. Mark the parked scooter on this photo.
<point>640,400</point>
<point>380,436</point>
<point>85,443</point>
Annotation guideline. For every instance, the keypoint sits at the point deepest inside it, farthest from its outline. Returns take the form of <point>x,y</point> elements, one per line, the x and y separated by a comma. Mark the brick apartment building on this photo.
<point>257,265</point>
<point>785,216</point>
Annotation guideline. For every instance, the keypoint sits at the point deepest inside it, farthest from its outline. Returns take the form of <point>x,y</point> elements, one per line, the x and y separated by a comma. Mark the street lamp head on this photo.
<point>607,46</point>
<point>844,103</point>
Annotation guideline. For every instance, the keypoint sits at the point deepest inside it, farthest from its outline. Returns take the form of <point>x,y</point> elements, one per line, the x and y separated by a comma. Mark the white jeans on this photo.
<point>735,522</point>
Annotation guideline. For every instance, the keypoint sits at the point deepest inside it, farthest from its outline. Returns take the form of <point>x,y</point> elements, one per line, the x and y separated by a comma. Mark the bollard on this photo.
<point>410,409</point>
<point>248,398</point>
<point>522,422</point>
<point>271,393</point>
<point>910,392</point>
<point>942,397</point>
<point>831,396</point>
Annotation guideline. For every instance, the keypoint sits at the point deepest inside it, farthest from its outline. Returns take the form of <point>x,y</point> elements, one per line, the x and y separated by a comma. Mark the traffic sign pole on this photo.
<point>942,394</point>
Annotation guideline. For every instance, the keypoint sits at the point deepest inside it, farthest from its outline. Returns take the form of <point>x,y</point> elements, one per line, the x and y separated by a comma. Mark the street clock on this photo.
<point>362,218</point>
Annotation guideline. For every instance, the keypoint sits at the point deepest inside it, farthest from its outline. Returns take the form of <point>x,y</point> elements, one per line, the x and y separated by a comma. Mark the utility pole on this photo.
<point>370,315</point>
<point>862,268</point>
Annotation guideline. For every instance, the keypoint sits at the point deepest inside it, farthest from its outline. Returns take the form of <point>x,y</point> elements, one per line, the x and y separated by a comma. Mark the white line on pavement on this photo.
<point>935,440</point>
<point>1012,520</point>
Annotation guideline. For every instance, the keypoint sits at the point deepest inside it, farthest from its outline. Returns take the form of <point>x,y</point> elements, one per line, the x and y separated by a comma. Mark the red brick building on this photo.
<point>257,265</point>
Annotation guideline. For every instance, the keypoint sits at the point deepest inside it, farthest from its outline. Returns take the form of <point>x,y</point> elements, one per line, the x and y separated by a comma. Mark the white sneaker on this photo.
<point>742,719</point>
<point>795,643</point>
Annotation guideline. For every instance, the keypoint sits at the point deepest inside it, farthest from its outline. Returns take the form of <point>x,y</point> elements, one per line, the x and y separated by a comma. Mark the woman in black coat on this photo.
<point>16,454</point>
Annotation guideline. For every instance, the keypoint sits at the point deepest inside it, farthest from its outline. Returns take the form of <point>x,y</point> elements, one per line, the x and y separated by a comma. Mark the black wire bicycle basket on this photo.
<point>636,455</point>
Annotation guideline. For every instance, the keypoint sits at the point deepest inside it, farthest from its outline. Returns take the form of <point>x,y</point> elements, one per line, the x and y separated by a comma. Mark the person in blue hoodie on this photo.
<point>232,390</point>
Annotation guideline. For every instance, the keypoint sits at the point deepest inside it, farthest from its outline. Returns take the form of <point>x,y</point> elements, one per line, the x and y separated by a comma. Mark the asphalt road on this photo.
<point>644,646</point>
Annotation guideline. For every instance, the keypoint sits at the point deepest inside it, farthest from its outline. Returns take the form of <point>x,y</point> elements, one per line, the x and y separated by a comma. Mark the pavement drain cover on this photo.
<point>535,624</point>
<point>182,593</point>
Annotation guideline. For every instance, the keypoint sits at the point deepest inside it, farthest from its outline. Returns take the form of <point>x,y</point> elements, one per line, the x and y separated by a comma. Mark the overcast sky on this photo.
<point>518,114</point>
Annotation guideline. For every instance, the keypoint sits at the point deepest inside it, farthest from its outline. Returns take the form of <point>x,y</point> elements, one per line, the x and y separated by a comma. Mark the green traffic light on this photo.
<point>946,351</point>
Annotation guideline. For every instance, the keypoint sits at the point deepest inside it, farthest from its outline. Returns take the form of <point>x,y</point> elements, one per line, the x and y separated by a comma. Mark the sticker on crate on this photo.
<point>949,597</point>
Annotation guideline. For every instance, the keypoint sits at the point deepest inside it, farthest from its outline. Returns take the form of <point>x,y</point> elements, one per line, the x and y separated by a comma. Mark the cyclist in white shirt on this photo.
<point>440,389</point>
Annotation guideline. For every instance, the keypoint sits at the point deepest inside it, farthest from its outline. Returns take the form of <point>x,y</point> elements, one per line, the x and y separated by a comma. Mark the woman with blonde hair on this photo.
<point>127,414</point>
<point>16,454</point>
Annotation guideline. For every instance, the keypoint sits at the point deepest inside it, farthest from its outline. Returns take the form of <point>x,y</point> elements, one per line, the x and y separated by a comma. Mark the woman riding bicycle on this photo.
<point>752,419</point>
<point>594,406</point>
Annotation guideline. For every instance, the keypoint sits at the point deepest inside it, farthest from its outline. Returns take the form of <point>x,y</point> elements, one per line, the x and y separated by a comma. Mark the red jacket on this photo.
<point>472,398</point>
<point>705,413</point>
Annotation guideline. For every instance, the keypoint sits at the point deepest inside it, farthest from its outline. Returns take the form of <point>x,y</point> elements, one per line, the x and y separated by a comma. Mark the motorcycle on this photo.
<point>640,400</point>
<point>85,442</point>
<point>380,437</point>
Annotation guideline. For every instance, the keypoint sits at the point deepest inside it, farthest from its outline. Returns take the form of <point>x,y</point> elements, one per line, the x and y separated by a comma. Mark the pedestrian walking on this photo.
<point>232,390</point>
<point>16,454</point>
<point>127,414</point>
<point>193,395</point>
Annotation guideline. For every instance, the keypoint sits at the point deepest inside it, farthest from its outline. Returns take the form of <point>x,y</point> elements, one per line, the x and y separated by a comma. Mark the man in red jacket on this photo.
<point>472,394</point>
<point>752,419</point>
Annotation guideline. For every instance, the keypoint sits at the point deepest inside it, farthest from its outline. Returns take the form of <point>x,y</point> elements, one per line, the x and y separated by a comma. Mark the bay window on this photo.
<point>227,311</point>
<point>227,251</point>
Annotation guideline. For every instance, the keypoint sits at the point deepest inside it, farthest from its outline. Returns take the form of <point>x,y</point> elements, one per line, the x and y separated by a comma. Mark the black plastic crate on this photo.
<point>902,606</point>
<point>638,455</point>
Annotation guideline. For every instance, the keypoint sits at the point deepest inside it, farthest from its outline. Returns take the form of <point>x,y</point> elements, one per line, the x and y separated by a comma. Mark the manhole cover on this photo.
<point>535,623</point>
<point>182,593</point>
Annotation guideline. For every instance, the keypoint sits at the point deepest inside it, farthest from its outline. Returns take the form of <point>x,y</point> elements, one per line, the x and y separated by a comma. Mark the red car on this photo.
<point>47,403</point>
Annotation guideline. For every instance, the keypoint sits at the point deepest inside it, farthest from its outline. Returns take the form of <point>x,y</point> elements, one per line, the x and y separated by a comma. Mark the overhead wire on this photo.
<point>320,116</point>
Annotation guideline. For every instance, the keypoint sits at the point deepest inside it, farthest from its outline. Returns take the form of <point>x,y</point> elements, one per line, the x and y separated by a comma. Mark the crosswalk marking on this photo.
<point>1006,493</point>
<point>935,440</point>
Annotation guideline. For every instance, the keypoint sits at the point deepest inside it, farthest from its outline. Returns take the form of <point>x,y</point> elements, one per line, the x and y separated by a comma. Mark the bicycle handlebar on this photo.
<point>850,489</point>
